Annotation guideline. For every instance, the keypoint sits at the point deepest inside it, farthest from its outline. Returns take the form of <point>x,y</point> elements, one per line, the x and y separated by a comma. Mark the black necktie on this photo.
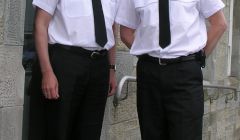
<point>99,23</point>
<point>164,24</point>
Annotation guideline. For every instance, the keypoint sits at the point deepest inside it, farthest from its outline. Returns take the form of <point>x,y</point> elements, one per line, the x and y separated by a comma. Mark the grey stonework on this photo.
<point>221,118</point>
<point>236,40</point>
<point>11,70</point>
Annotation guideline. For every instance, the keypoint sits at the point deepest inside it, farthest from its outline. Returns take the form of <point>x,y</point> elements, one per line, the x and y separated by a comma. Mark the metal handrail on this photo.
<point>235,91</point>
<point>118,98</point>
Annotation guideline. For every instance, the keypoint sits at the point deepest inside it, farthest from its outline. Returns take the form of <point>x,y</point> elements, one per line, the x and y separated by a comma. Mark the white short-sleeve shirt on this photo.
<point>73,22</point>
<point>187,25</point>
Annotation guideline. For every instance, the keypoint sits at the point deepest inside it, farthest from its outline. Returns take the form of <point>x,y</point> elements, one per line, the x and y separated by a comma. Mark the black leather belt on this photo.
<point>165,61</point>
<point>83,52</point>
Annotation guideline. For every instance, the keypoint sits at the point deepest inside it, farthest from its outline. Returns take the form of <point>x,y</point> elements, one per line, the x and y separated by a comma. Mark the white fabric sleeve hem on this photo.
<point>214,10</point>
<point>125,23</point>
<point>43,6</point>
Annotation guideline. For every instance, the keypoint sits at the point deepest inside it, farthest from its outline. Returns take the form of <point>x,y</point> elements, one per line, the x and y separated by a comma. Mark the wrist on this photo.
<point>46,72</point>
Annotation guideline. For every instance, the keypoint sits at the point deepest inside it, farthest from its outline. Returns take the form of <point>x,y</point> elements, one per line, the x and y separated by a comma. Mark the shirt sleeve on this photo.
<point>210,7</point>
<point>126,14</point>
<point>47,5</point>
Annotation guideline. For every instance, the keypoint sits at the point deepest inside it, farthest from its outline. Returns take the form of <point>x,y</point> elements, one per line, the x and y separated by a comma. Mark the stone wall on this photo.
<point>11,70</point>
<point>236,40</point>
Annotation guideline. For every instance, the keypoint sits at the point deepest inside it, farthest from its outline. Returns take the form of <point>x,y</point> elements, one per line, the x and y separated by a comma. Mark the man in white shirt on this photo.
<point>75,71</point>
<point>171,40</point>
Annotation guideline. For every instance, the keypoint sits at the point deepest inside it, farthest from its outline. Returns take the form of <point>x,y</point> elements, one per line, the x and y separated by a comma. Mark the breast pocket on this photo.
<point>109,9</point>
<point>78,8</point>
<point>148,11</point>
<point>144,3</point>
<point>183,10</point>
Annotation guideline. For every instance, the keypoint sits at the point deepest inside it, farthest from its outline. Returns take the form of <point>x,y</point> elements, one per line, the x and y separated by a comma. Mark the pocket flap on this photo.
<point>143,3</point>
<point>185,0</point>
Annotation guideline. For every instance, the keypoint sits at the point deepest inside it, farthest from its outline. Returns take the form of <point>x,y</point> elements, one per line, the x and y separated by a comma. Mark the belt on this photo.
<point>96,54</point>
<point>166,61</point>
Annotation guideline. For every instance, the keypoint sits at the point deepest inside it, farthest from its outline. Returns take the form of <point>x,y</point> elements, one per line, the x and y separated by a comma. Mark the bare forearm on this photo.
<point>111,55</point>
<point>41,38</point>
<point>112,51</point>
<point>42,50</point>
<point>213,37</point>
<point>217,27</point>
<point>127,36</point>
<point>49,80</point>
<point>112,75</point>
<point>128,41</point>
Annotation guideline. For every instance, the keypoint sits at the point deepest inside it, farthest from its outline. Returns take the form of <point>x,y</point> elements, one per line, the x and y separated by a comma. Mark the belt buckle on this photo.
<point>94,55</point>
<point>161,63</point>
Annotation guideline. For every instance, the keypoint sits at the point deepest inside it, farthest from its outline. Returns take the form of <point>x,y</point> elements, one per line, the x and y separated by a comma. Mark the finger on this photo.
<point>57,94</point>
<point>110,94</point>
<point>44,92</point>
<point>48,93</point>
<point>112,90</point>
<point>53,93</point>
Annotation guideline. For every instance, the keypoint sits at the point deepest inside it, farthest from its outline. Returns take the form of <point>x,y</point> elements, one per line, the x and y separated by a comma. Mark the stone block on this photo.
<point>207,106</point>
<point>206,135</point>
<point>124,62</point>
<point>107,121</point>
<point>126,109</point>
<point>236,134</point>
<point>11,76</point>
<point>125,130</point>
<point>206,124</point>
<point>2,3</point>
<point>14,11</point>
<point>11,123</point>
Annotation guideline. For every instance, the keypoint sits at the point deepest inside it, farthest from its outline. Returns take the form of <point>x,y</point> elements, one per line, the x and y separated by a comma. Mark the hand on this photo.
<point>112,83</point>
<point>50,86</point>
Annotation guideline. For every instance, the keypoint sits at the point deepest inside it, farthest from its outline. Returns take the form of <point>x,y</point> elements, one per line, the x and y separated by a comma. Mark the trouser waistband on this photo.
<point>198,56</point>
<point>96,54</point>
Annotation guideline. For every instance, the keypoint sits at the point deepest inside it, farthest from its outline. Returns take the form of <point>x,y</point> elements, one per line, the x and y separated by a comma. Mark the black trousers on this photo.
<point>170,100</point>
<point>83,88</point>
